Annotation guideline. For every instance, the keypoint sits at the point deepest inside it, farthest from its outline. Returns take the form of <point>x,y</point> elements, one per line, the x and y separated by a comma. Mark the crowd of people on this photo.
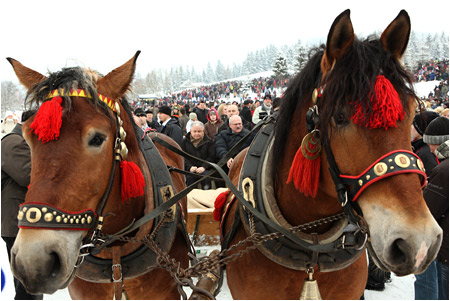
<point>432,70</point>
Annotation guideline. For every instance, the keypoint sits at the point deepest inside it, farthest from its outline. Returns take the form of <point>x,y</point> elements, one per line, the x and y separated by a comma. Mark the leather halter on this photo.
<point>46,216</point>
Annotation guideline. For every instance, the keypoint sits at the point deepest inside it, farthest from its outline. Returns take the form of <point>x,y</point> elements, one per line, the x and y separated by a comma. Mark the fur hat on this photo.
<point>139,112</point>
<point>437,131</point>
<point>422,120</point>
<point>166,110</point>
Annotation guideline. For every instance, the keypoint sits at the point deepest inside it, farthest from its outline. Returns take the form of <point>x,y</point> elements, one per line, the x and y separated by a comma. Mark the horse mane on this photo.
<point>350,81</point>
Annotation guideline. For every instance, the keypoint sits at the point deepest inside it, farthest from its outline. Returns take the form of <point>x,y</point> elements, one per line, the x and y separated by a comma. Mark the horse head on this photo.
<point>77,138</point>
<point>359,103</point>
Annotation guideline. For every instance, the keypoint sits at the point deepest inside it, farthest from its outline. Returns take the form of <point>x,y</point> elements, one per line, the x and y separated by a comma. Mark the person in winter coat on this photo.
<point>245,113</point>
<point>263,110</point>
<point>183,120</point>
<point>198,144</point>
<point>170,126</point>
<point>213,124</point>
<point>433,283</point>
<point>16,169</point>
<point>226,139</point>
<point>201,112</point>
<point>420,148</point>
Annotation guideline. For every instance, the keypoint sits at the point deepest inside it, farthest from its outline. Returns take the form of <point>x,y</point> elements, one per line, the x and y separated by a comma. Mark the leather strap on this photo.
<point>117,273</point>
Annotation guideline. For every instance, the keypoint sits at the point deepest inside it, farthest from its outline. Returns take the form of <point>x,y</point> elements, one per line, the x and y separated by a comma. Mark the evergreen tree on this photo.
<point>444,43</point>
<point>301,58</point>
<point>220,71</point>
<point>280,69</point>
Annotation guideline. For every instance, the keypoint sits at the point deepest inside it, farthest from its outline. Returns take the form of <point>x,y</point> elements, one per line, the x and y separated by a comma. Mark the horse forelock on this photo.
<point>66,80</point>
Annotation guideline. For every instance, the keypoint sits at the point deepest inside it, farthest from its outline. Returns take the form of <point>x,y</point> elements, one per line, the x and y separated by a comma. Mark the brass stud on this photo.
<point>123,150</point>
<point>367,177</point>
<point>390,160</point>
<point>65,220</point>
<point>420,165</point>
<point>48,217</point>
<point>402,161</point>
<point>58,219</point>
<point>123,134</point>
<point>120,120</point>
<point>44,209</point>
<point>83,220</point>
<point>77,221</point>
<point>89,219</point>
<point>71,220</point>
<point>380,168</point>
<point>117,107</point>
<point>392,167</point>
<point>63,215</point>
<point>314,96</point>
<point>20,215</point>
<point>24,209</point>
<point>360,182</point>
<point>54,212</point>
<point>79,216</point>
<point>37,216</point>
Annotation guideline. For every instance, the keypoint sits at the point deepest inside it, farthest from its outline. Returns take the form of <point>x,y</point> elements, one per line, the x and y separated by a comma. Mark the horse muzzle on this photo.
<point>44,260</point>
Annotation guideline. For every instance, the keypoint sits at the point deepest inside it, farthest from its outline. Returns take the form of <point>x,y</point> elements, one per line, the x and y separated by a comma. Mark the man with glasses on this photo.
<point>226,139</point>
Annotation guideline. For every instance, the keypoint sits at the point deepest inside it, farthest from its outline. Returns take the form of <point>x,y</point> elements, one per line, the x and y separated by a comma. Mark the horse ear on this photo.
<point>117,82</point>
<point>339,39</point>
<point>26,76</point>
<point>396,36</point>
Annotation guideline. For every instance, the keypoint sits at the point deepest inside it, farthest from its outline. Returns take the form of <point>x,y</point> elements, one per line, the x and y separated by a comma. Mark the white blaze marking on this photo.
<point>421,254</point>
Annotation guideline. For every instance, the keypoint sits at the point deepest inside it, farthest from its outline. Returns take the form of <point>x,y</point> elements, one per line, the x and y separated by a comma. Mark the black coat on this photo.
<point>173,130</point>
<point>429,159</point>
<point>225,140</point>
<point>246,114</point>
<point>201,114</point>
<point>436,196</point>
<point>16,169</point>
<point>205,150</point>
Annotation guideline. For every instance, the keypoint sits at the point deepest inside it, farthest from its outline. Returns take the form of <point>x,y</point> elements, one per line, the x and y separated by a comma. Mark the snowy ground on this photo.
<point>401,288</point>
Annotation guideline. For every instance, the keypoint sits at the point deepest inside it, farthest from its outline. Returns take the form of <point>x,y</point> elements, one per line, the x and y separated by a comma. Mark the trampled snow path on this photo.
<point>401,288</point>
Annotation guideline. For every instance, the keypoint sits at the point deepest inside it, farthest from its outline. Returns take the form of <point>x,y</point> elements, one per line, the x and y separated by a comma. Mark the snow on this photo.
<point>401,288</point>
<point>424,88</point>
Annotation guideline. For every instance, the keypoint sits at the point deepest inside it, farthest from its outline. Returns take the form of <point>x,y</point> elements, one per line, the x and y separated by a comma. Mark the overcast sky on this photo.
<point>48,35</point>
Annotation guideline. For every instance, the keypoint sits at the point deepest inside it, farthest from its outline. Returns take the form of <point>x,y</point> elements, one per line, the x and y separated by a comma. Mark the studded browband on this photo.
<point>33,215</point>
<point>391,164</point>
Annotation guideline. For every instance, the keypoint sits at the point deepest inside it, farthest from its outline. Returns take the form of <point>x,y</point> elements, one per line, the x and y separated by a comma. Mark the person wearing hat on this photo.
<point>420,148</point>
<point>169,125</point>
<point>151,122</point>
<point>142,118</point>
<point>8,123</point>
<point>245,113</point>
<point>192,118</point>
<point>433,283</point>
<point>263,110</point>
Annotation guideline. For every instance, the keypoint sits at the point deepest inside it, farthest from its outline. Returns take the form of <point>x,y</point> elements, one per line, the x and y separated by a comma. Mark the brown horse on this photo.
<point>358,142</point>
<point>75,167</point>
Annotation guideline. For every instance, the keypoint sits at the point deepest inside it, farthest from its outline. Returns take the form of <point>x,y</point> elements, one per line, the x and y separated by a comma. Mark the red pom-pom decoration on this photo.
<point>48,120</point>
<point>132,180</point>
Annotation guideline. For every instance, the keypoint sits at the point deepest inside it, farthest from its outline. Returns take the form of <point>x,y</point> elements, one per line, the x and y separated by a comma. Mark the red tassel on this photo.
<point>48,120</point>
<point>386,107</point>
<point>219,203</point>
<point>305,173</point>
<point>132,180</point>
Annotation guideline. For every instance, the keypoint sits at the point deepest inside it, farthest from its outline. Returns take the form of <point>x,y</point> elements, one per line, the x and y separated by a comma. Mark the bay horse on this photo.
<point>340,143</point>
<point>89,168</point>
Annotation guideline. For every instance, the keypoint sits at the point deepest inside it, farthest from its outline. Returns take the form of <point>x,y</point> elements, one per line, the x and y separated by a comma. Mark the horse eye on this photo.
<point>97,140</point>
<point>341,119</point>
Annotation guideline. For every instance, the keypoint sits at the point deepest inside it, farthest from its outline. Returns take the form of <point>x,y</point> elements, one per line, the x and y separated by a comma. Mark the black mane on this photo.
<point>351,80</point>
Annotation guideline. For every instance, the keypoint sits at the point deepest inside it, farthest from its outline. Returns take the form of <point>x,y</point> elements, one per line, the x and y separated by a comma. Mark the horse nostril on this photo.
<point>399,250</point>
<point>55,264</point>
